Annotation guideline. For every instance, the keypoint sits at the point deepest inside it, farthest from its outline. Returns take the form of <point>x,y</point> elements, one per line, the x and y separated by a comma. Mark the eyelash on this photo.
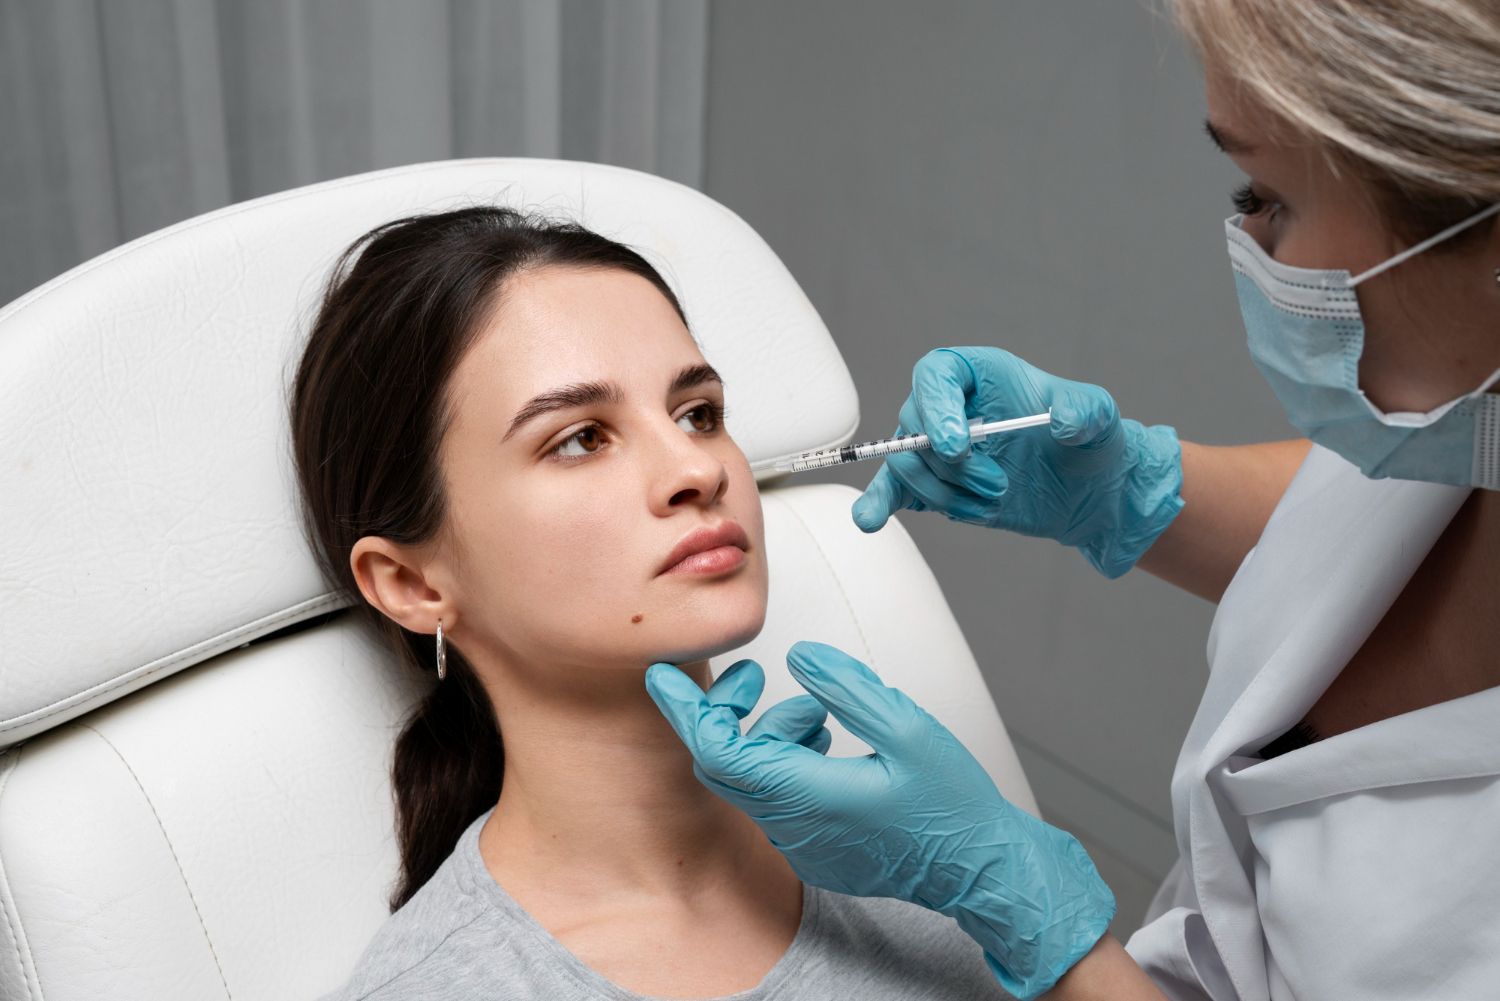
<point>1247,201</point>
<point>716,413</point>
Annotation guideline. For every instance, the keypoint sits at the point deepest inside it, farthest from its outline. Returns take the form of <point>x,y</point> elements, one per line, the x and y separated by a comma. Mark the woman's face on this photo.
<point>586,454</point>
<point>1430,328</point>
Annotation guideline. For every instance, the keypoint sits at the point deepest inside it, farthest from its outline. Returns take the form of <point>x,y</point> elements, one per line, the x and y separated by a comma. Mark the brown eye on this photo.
<point>703,417</point>
<point>584,441</point>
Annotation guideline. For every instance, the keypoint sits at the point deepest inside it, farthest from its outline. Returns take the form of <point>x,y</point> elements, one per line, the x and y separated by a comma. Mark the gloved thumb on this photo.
<point>797,720</point>
<point>710,732</point>
<point>883,717</point>
<point>738,687</point>
<point>882,498</point>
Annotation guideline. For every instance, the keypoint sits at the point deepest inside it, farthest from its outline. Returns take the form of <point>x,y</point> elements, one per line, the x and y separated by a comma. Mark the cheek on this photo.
<point>551,562</point>
<point>1326,230</point>
<point>1400,367</point>
<point>569,563</point>
<point>574,537</point>
<point>1302,242</point>
<point>746,504</point>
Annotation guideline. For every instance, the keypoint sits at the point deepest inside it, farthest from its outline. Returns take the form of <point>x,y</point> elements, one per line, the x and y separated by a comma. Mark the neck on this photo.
<point>599,795</point>
<point>1437,640</point>
<point>1463,569</point>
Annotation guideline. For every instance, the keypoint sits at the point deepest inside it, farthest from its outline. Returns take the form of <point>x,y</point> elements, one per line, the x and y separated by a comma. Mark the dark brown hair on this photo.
<point>369,405</point>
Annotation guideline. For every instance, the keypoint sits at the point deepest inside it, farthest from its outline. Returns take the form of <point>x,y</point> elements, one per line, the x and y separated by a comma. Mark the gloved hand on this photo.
<point>919,819</point>
<point>1104,485</point>
<point>798,720</point>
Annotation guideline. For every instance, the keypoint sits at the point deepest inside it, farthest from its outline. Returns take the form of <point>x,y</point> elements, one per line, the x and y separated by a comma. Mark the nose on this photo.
<point>685,472</point>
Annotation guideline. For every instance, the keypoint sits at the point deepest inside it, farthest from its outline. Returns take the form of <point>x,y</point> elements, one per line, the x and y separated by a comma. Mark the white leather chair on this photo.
<point>194,791</point>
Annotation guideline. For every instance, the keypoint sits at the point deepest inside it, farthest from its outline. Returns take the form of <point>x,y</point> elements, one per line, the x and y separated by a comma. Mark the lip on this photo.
<point>705,540</point>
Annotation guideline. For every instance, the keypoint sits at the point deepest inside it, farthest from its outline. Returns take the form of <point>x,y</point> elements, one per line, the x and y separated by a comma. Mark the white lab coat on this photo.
<point>1367,864</point>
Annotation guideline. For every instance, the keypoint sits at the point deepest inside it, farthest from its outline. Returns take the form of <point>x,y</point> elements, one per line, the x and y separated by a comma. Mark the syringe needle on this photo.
<point>824,457</point>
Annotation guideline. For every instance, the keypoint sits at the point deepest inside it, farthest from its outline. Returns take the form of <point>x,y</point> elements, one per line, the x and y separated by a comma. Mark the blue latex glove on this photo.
<point>798,720</point>
<point>1104,485</point>
<point>919,819</point>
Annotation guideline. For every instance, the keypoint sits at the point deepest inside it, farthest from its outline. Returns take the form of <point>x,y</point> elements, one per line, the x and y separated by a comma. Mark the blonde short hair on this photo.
<point>1405,91</point>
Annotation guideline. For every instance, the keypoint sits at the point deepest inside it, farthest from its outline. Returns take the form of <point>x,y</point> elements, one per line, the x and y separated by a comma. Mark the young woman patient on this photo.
<point>503,426</point>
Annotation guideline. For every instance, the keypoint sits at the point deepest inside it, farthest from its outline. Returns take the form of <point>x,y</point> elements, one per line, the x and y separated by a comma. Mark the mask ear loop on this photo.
<point>1411,252</point>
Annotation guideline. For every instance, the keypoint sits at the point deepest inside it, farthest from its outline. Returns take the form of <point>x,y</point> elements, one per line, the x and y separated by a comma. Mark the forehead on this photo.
<point>1235,110</point>
<point>1231,108</point>
<point>1270,148</point>
<point>556,325</point>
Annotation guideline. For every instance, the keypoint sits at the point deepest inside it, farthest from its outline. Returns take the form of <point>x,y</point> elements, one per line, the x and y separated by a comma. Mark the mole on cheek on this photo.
<point>637,617</point>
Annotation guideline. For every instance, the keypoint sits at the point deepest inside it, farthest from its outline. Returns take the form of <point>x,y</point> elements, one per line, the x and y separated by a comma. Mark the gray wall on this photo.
<point>1033,175</point>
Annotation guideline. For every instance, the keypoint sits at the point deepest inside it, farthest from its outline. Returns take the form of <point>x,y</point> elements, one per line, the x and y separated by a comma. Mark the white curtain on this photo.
<point>119,117</point>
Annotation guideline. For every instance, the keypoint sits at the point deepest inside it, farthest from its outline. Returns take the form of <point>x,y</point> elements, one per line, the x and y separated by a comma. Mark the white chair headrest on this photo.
<point>148,508</point>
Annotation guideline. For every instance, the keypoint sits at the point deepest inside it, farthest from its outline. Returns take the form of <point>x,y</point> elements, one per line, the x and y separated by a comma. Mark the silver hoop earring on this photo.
<point>442,654</point>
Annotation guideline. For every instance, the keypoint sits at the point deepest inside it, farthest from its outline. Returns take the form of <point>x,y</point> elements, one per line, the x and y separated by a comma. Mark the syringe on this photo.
<point>824,457</point>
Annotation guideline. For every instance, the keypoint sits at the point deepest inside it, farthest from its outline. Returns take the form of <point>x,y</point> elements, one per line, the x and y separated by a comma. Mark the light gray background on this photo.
<point>1031,174</point>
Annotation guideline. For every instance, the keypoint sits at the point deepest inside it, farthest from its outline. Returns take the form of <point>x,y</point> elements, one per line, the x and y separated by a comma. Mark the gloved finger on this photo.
<point>942,382</point>
<point>739,687</point>
<point>818,742</point>
<point>794,720</point>
<point>883,717</point>
<point>931,493</point>
<point>707,730</point>
<point>1083,415</point>
<point>712,733</point>
<point>977,473</point>
<point>884,496</point>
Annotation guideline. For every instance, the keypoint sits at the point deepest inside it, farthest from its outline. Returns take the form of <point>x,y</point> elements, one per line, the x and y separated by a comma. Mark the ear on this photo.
<point>396,580</point>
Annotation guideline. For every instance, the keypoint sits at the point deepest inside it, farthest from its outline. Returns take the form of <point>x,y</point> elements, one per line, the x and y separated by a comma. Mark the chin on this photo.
<point>694,638</point>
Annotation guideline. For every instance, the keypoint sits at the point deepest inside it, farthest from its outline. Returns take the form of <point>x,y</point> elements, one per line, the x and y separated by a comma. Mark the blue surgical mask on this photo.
<point>1306,336</point>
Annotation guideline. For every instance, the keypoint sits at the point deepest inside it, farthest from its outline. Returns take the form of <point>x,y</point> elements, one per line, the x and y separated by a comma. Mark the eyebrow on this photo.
<point>1226,142</point>
<point>587,394</point>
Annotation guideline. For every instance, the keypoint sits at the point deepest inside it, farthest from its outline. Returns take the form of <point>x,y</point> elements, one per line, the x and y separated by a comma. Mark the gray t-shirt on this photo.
<point>461,937</point>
